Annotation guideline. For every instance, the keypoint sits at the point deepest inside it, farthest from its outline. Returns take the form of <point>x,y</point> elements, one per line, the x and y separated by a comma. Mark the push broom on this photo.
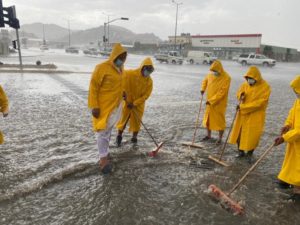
<point>192,144</point>
<point>154,152</point>
<point>225,199</point>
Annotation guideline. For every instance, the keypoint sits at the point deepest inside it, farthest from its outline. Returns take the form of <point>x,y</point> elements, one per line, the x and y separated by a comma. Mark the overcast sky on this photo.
<point>277,20</point>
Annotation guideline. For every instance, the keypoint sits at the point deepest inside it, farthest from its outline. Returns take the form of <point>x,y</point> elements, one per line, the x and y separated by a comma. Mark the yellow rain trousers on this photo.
<point>138,89</point>
<point>250,120</point>
<point>105,91</point>
<point>290,171</point>
<point>3,108</point>
<point>217,94</point>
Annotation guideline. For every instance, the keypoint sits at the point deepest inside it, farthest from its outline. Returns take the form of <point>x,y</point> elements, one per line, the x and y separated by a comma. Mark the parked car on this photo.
<point>72,50</point>
<point>173,57</point>
<point>256,59</point>
<point>91,51</point>
<point>200,57</point>
<point>44,47</point>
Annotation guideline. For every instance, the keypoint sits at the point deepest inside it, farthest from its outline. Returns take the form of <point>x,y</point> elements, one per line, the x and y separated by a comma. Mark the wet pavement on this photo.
<point>48,165</point>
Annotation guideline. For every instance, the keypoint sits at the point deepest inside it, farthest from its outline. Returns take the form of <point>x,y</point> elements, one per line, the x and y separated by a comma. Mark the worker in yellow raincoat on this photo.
<point>137,87</point>
<point>217,84</point>
<point>248,126</point>
<point>3,109</point>
<point>104,100</point>
<point>290,133</point>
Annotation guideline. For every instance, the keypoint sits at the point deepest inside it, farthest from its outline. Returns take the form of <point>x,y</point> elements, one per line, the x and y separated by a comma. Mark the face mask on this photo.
<point>251,81</point>
<point>215,73</point>
<point>146,73</point>
<point>119,63</point>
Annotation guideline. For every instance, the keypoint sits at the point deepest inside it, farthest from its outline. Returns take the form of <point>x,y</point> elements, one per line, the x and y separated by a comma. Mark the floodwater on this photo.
<point>48,164</point>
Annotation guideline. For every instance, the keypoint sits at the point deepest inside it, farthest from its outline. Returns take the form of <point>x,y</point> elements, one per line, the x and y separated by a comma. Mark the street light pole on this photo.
<point>107,24</point>
<point>177,4</point>
<point>69,33</point>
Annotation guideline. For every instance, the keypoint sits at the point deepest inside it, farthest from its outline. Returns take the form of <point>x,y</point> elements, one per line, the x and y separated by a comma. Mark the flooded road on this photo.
<point>48,165</point>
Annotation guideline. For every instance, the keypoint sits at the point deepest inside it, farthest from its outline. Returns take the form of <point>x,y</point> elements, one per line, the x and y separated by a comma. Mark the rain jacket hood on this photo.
<point>295,84</point>
<point>146,62</point>
<point>217,66</point>
<point>254,73</point>
<point>117,50</point>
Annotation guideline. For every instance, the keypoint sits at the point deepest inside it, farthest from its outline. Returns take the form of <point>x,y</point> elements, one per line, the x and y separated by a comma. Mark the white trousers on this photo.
<point>103,136</point>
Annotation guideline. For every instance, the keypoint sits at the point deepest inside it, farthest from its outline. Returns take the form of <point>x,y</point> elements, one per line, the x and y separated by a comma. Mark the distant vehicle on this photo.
<point>173,57</point>
<point>200,57</point>
<point>72,50</point>
<point>235,58</point>
<point>256,59</point>
<point>91,51</point>
<point>44,47</point>
<point>106,52</point>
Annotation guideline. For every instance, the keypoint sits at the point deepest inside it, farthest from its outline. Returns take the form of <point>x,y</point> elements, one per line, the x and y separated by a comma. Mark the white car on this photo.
<point>256,59</point>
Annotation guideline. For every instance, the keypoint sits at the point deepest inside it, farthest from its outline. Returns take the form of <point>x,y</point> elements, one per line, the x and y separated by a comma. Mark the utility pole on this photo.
<point>69,33</point>
<point>177,4</point>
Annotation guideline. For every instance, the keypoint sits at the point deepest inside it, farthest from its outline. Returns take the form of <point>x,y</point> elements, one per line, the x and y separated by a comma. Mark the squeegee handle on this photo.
<point>251,169</point>
<point>136,116</point>
<point>197,120</point>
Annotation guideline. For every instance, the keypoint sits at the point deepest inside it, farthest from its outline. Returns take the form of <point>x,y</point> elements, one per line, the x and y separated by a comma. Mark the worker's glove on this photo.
<point>130,106</point>
<point>96,112</point>
<point>238,108</point>
<point>285,129</point>
<point>124,96</point>
<point>278,141</point>
<point>243,96</point>
<point>202,92</point>
<point>207,103</point>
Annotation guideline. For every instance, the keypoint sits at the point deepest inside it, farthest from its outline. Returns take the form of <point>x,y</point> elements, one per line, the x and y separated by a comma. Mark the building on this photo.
<point>227,46</point>
<point>183,39</point>
<point>5,41</point>
<point>280,53</point>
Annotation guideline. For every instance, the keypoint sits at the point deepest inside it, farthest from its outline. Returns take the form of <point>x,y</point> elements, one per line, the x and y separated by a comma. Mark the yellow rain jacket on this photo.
<point>250,120</point>
<point>105,91</point>
<point>217,95</point>
<point>138,89</point>
<point>290,171</point>
<point>3,108</point>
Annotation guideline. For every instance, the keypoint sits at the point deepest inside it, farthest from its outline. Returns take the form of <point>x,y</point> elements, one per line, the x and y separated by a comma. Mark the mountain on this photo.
<point>52,31</point>
<point>116,34</point>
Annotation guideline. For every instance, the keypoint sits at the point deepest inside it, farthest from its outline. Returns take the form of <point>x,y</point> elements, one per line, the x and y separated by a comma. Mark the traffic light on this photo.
<point>8,16</point>
<point>14,43</point>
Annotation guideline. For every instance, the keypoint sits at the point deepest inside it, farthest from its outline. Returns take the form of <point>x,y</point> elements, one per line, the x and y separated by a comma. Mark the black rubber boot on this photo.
<point>249,156</point>
<point>119,140</point>
<point>294,198</point>
<point>134,140</point>
<point>283,185</point>
<point>241,154</point>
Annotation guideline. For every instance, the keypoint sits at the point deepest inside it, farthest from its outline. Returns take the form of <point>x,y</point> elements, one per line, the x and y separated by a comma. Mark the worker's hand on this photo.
<point>207,103</point>
<point>278,141</point>
<point>237,107</point>
<point>285,129</point>
<point>124,96</point>
<point>243,96</point>
<point>202,92</point>
<point>96,112</point>
<point>130,106</point>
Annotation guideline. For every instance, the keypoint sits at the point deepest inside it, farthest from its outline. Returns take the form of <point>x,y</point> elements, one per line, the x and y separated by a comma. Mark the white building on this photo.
<point>227,46</point>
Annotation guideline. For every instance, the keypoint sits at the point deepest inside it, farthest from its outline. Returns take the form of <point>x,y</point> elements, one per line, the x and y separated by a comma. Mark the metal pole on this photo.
<point>108,30</point>
<point>104,34</point>
<point>176,24</point>
<point>19,48</point>
<point>69,33</point>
